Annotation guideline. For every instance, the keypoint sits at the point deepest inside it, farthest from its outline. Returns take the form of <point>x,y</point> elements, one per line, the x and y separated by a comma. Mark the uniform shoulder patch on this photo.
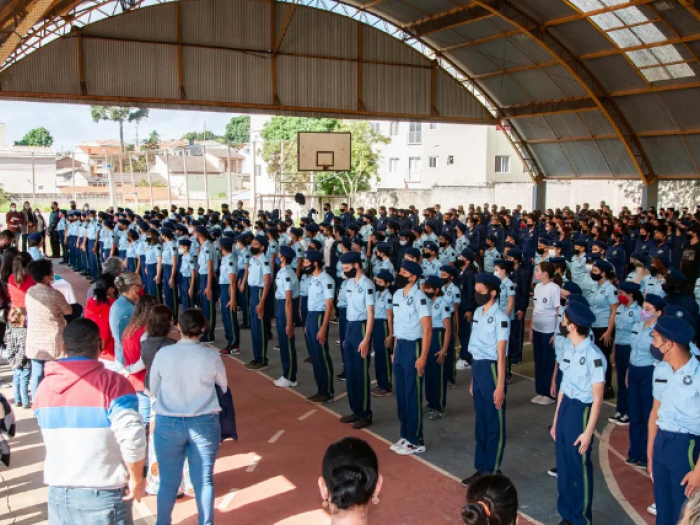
<point>370,291</point>
<point>267,263</point>
<point>329,286</point>
<point>389,300</point>
<point>447,309</point>
<point>423,302</point>
<point>504,324</point>
<point>598,363</point>
<point>289,279</point>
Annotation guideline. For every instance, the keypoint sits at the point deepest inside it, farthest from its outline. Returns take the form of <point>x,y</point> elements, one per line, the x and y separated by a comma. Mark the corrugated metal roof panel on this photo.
<point>682,21</point>
<point>597,123</point>
<point>534,128</point>
<point>618,158</point>
<point>130,70</point>
<point>298,83</point>
<point>531,48</point>
<point>316,32</point>
<point>586,158</point>
<point>379,46</point>
<point>538,85</point>
<point>615,73</point>
<point>504,54</point>
<point>202,66</point>
<point>546,10</point>
<point>140,24</point>
<point>654,117</point>
<point>466,32</point>
<point>581,37</point>
<point>552,159</point>
<point>568,125</point>
<point>693,142</point>
<point>684,106</point>
<point>566,82</point>
<point>474,62</point>
<point>434,6</point>
<point>452,99</point>
<point>400,11</point>
<point>669,156</point>
<point>379,85</point>
<point>505,91</point>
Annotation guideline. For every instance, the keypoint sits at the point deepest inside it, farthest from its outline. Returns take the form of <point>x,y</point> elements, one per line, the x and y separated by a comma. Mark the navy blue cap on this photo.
<point>167,232</point>
<point>358,241</point>
<point>383,247</point>
<point>557,260</point>
<point>143,225</point>
<point>581,242</point>
<point>676,275</point>
<point>431,246</point>
<point>656,301</point>
<point>572,288</point>
<point>35,236</point>
<point>600,244</point>
<point>663,258</point>
<point>447,237</point>
<point>673,310</point>
<point>123,222</point>
<point>629,286</point>
<point>488,279</point>
<point>241,238</point>
<point>579,314</point>
<point>316,244</point>
<point>226,242</point>
<point>573,298</point>
<point>345,242</point>
<point>543,240</point>
<point>604,265</point>
<point>412,267</point>
<point>351,258</point>
<point>434,281</point>
<point>215,232</point>
<point>468,253</point>
<point>297,232</point>
<point>674,329</point>
<point>181,228</point>
<point>313,256</point>
<point>515,253</point>
<point>108,223</point>
<point>555,244</point>
<point>394,225</point>
<point>413,252</point>
<point>201,230</point>
<point>230,234</point>
<point>184,242</point>
<point>462,227</point>
<point>454,272</point>
<point>288,253</point>
<point>312,227</point>
<point>639,256</point>
<point>417,228</point>
<point>385,275</point>
<point>262,240</point>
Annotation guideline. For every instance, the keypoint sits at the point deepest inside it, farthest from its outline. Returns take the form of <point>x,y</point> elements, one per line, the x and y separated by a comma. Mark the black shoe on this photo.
<point>341,376</point>
<point>609,393</point>
<point>471,479</point>
<point>361,423</point>
<point>319,398</point>
<point>552,472</point>
<point>565,522</point>
<point>350,418</point>
<point>245,326</point>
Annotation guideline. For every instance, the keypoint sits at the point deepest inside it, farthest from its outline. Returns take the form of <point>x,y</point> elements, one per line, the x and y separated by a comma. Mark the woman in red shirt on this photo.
<point>20,281</point>
<point>97,309</point>
<point>134,367</point>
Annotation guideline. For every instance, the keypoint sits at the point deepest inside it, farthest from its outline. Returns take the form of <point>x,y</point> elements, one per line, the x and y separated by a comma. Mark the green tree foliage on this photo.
<point>200,135</point>
<point>36,137</point>
<point>119,115</point>
<point>152,142</point>
<point>237,131</point>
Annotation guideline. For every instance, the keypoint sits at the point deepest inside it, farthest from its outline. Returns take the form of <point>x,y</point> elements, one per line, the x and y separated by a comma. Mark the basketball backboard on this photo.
<point>322,151</point>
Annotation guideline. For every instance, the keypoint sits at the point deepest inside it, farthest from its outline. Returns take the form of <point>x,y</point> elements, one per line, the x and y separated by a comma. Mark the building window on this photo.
<point>502,163</point>
<point>394,129</point>
<point>450,160</point>
<point>393,165</point>
<point>414,169</point>
<point>432,162</point>
<point>40,187</point>
<point>414,133</point>
<point>434,125</point>
<point>375,126</point>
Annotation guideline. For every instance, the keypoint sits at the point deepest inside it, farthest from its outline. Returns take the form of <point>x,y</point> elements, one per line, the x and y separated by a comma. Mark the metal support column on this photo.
<point>539,196</point>
<point>650,195</point>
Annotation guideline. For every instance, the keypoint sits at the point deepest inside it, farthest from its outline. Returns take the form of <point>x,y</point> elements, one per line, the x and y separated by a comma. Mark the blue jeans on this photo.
<point>37,375</point>
<point>20,385</point>
<point>197,439</point>
<point>83,506</point>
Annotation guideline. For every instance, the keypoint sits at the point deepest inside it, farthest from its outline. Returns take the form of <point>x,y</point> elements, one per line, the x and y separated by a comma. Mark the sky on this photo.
<point>71,124</point>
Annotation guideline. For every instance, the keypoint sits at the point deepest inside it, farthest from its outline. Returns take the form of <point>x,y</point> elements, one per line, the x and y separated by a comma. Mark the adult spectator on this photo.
<point>97,309</point>
<point>20,281</point>
<point>13,220</point>
<point>690,262</point>
<point>7,239</point>
<point>94,458</point>
<point>160,333</point>
<point>41,226</point>
<point>183,379</point>
<point>129,286</point>
<point>47,315</point>
<point>491,499</point>
<point>113,266</point>
<point>350,480</point>
<point>28,224</point>
<point>6,261</point>
<point>54,239</point>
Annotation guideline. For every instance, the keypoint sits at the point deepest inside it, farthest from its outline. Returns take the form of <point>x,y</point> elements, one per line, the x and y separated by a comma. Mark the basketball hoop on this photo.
<point>323,151</point>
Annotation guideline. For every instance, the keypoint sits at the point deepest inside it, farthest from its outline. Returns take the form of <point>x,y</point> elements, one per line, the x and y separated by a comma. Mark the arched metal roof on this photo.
<point>583,88</point>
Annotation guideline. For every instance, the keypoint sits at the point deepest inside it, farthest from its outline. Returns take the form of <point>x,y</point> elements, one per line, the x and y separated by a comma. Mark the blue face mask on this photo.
<point>277,261</point>
<point>656,353</point>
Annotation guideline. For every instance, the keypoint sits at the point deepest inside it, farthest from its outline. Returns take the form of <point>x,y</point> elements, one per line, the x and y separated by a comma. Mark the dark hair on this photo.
<point>551,270</point>
<point>82,337</point>
<point>104,282</point>
<point>19,267</point>
<point>192,323</point>
<point>7,262</point>
<point>133,235</point>
<point>351,472</point>
<point>160,320</point>
<point>7,235</point>
<point>638,297</point>
<point>491,500</point>
<point>40,269</point>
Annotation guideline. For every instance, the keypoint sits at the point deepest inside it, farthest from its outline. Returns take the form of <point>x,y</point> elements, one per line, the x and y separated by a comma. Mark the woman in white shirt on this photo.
<point>544,323</point>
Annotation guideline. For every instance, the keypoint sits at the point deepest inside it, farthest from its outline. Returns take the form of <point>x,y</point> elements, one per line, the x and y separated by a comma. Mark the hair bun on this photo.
<point>350,486</point>
<point>475,514</point>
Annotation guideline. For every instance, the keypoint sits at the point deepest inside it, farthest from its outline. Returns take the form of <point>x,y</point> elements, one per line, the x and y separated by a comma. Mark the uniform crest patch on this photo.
<point>583,361</point>
<point>687,380</point>
<point>490,320</point>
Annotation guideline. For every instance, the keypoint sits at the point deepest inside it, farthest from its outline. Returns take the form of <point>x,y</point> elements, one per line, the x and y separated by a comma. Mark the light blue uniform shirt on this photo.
<point>206,254</point>
<point>696,291</point>
<point>419,242</point>
<point>577,267</point>
<point>92,230</point>
<point>408,312</point>
<point>582,367</point>
<point>194,247</point>
<point>440,309</point>
<point>382,304</point>
<point>343,294</point>
<point>169,249</point>
<point>600,300</point>
<point>273,248</point>
<point>244,257</point>
<point>141,246</point>
<point>386,265</point>
<point>488,328</point>
<point>431,237</point>
<point>321,288</point>
<point>107,239</point>
<point>490,258</point>
<point>447,255</point>
<point>258,268</point>
<point>35,253</point>
<point>123,240</point>
<point>360,296</point>
<point>228,267</point>
<point>679,394</point>
<point>304,286</point>
<point>653,285</point>
<point>153,252</point>
<point>286,281</point>
<point>507,290</point>
<point>188,262</point>
<point>298,254</point>
<point>216,251</point>
<point>453,295</point>
<point>131,249</point>
<point>461,243</point>
<point>366,231</point>
<point>431,267</point>
<point>61,226</point>
<point>640,341</point>
<point>625,319</point>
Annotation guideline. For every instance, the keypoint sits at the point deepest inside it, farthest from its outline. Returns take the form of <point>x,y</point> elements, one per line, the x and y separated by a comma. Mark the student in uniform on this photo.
<point>491,254</point>
<point>207,276</point>
<point>507,292</point>
<point>383,251</point>
<point>436,364</point>
<point>154,263</point>
<point>466,280</point>
<point>321,292</point>
<point>169,270</point>
<point>109,246</point>
<point>521,279</point>
<point>383,334</point>
<point>341,283</point>
<point>413,333</point>
<point>122,240</point>
<point>188,273</point>
<point>453,294</point>
<point>93,263</point>
<point>242,294</point>
<point>447,253</point>
<point>626,317</point>
<point>35,241</point>
<point>358,338</point>
<point>228,285</point>
<point>674,424</point>
<point>546,301</point>
<point>132,261</point>
<point>578,408</point>
<point>489,346</point>
<point>141,250</point>
<point>259,288</point>
<point>577,267</point>
<point>431,264</point>
<point>286,304</point>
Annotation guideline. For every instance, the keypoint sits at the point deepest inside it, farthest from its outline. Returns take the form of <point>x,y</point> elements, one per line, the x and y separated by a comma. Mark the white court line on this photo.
<point>254,464</point>
<point>277,435</point>
<point>610,480</point>
<point>310,412</point>
<point>227,499</point>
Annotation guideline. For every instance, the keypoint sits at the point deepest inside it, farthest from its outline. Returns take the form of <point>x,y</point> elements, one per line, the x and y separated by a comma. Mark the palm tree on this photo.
<point>118,114</point>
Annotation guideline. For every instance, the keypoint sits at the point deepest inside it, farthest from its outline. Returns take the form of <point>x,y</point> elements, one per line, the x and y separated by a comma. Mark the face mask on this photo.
<point>551,253</point>
<point>308,270</point>
<point>624,300</point>
<point>190,229</point>
<point>181,250</point>
<point>563,330</point>
<point>562,301</point>
<point>443,244</point>
<point>500,274</point>
<point>350,274</point>
<point>459,263</point>
<point>596,276</point>
<point>540,250</point>
<point>380,288</point>
<point>254,250</point>
<point>403,243</point>
<point>401,281</point>
<point>446,280</point>
<point>656,353</point>
<point>13,208</point>
<point>653,271</point>
<point>426,254</point>
<point>482,298</point>
<point>589,267</point>
<point>645,315</point>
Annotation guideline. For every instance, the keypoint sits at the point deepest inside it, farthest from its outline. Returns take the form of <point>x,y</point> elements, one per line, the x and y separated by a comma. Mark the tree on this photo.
<point>36,137</point>
<point>237,131</point>
<point>120,115</point>
<point>205,135</point>
<point>153,141</point>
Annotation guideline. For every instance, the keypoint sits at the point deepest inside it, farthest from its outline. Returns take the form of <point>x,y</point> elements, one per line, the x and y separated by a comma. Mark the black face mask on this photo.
<point>426,255</point>
<point>540,250</point>
<point>254,250</point>
<point>482,298</point>
<point>562,301</point>
<point>401,281</point>
<point>459,263</point>
<point>308,270</point>
<point>563,330</point>
<point>350,274</point>
<point>653,271</point>
<point>443,244</point>
<point>658,241</point>
<point>380,288</point>
<point>446,280</point>
<point>596,276</point>
<point>430,295</point>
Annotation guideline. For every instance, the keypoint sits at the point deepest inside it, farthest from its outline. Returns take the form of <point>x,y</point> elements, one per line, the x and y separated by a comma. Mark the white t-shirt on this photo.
<point>546,302</point>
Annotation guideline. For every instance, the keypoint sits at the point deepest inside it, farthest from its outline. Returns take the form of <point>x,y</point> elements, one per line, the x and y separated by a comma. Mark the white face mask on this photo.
<point>403,243</point>
<point>181,250</point>
<point>551,253</point>
<point>589,267</point>
<point>190,229</point>
<point>500,274</point>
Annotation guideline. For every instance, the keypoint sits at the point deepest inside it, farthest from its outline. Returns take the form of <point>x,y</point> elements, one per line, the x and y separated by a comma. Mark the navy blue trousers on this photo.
<point>489,424</point>
<point>304,308</point>
<point>242,299</point>
<point>150,282</point>
<point>465,332</point>
<point>208,308</point>
<point>408,387</point>
<point>622,363</point>
<point>320,356</point>
<point>641,401</point>
<point>92,258</point>
<point>288,349</point>
<point>257,326</point>
<point>382,354</point>
<point>436,373</point>
<point>131,264</point>
<point>515,341</point>
<point>574,471</point>
<point>72,251</point>
<point>342,331</point>
<point>675,455</point>
<point>142,271</point>
<point>357,370</point>
<point>543,351</point>
<point>187,301</point>
<point>170,294</point>
<point>229,317</point>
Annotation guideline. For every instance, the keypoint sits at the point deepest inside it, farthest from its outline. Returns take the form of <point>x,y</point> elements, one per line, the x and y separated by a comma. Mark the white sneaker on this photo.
<point>545,401</point>
<point>283,382</point>
<point>399,444</point>
<point>461,364</point>
<point>536,400</point>
<point>372,354</point>
<point>410,450</point>
<point>651,509</point>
